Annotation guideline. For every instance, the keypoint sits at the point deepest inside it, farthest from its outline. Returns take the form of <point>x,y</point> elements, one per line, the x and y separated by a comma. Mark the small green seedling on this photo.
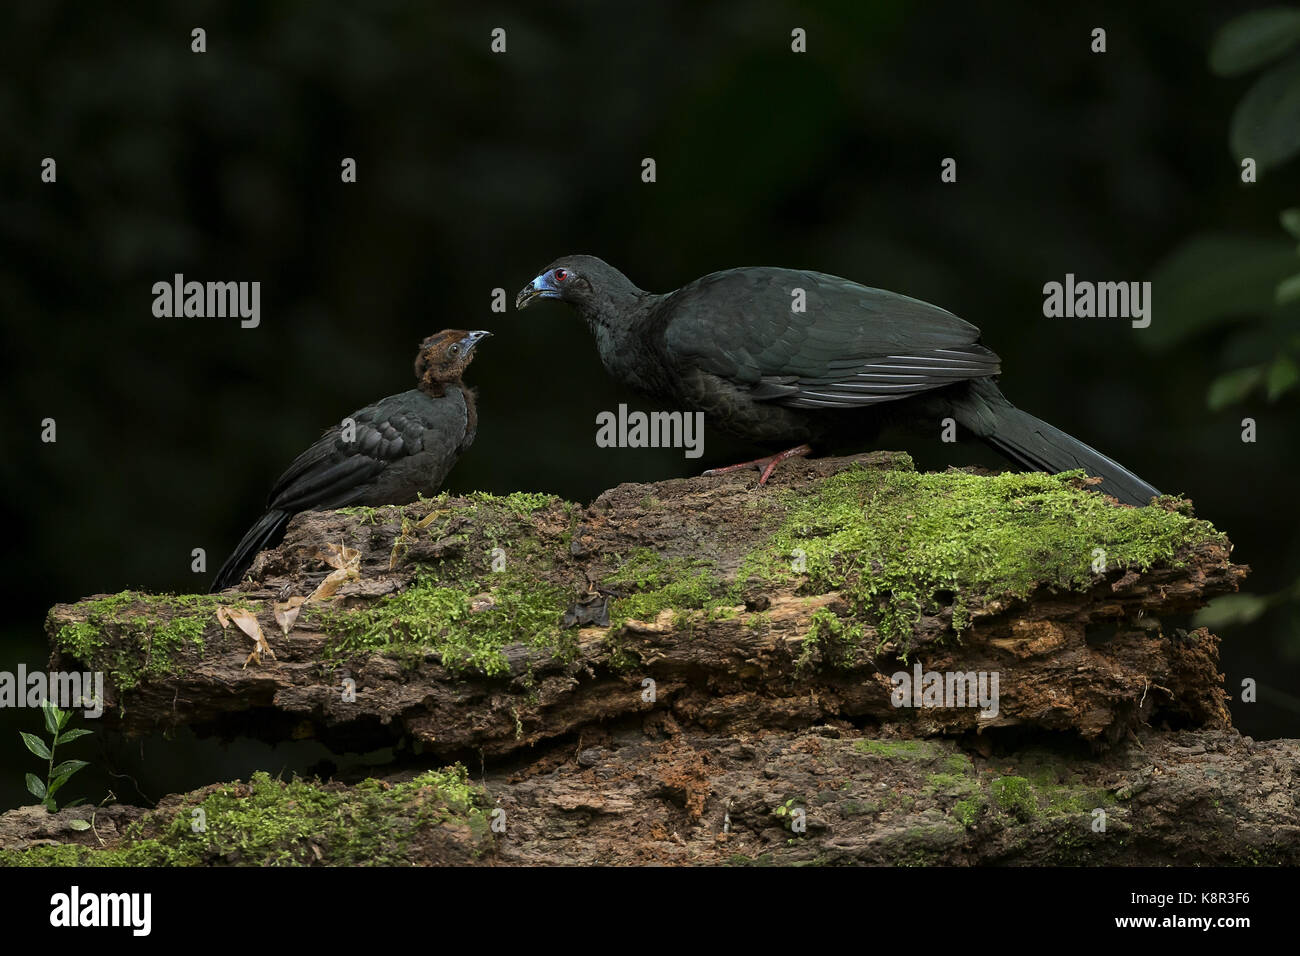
<point>55,776</point>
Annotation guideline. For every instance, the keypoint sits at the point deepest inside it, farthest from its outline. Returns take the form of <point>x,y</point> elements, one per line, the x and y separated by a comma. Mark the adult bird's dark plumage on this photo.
<point>387,453</point>
<point>785,355</point>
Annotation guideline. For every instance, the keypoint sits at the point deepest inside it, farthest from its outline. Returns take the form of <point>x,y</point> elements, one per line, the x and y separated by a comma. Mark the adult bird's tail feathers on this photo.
<point>263,531</point>
<point>1039,446</point>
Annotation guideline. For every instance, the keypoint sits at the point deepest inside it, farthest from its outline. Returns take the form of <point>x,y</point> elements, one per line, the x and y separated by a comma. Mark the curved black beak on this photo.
<point>540,288</point>
<point>472,339</point>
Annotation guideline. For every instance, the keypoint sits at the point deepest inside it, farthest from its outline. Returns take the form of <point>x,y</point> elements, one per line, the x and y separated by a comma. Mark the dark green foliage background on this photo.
<point>475,170</point>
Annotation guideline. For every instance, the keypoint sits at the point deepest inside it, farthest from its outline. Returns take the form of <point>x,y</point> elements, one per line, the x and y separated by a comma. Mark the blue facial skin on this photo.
<point>543,287</point>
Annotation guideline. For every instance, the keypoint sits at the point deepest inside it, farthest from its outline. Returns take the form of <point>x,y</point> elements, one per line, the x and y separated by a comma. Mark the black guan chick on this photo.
<point>736,346</point>
<point>390,453</point>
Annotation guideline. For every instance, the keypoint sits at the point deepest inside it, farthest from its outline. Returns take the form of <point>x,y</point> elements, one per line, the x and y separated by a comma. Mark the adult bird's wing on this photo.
<point>850,346</point>
<point>334,473</point>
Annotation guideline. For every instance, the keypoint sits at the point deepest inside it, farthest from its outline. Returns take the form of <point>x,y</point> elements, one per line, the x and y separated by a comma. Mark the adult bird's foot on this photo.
<point>765,465</point>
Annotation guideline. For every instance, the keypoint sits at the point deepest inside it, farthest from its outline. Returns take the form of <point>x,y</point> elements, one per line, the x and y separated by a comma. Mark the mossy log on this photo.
<point>699,641</point>
<point>729,607</point>
<point>659,793</point>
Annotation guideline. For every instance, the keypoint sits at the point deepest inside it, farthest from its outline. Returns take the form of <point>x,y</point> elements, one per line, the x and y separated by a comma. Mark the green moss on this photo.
<point>644,569</point>
<point>899,544</point>
<point>950,785</point>
<point>763,859</point>
<point>691,593</point>
<point>483,521</point>
<point>1070,800</point>
<point>273,822</point>
<point>133,636</point>
<point>368,515</point>
<point>1016,796</point>
<point>958,763</point>
<point>967,811</point>
<point>831,638</point>
<point>519,503</point>
<point>898,749</point>
<point>81,639</point>
<point>461,608</point>
<point>962,788</point>
<point>506,521</point>
<point>661,584</point>
<point>429,618</point>
<point>924,845</point>
<point>1058,785</point>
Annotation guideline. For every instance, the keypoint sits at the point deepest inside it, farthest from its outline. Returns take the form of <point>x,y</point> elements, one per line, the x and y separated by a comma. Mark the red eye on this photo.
<point>560,275</point>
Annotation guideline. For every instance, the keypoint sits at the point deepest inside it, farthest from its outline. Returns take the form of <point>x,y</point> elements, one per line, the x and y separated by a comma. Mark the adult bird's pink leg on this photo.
<point>765,465</point>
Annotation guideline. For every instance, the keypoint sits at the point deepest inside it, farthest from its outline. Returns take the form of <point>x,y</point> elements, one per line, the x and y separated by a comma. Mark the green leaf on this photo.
<point>35,745</point>
<point>68,768</point>
<point>1282,377</point>
<point>64,717</point>
<point>51,714</point>
<point>55,784</point>
<point>71,735</point>
<point>1231,609</point>
<point>79,824</point>
<point>1288,290</point>
<point>1231,387</point>
<point>1254,39</point>
<point>35,787</point>
<point>1212,279</point>
<point>1266,124</point>
<point>1291,221</point>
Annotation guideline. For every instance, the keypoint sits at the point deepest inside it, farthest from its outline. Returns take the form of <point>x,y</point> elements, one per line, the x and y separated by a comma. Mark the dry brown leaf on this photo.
<point>286,613</point>
<point>222,617</point>
<point>340,556</point>
<point>333,581</point>
<point>428,519</point>
<point>347,564</point>
<point>247,622</point>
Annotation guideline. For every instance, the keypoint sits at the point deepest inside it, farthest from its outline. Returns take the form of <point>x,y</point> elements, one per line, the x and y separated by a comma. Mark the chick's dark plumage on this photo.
<point>786,355</point>
<point>388,453</point>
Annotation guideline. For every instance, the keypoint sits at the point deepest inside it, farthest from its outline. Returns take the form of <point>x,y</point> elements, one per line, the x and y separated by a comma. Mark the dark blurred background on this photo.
<point>476,169</point>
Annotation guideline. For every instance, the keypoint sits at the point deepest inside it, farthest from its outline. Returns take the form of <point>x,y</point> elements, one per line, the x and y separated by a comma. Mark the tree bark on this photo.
<point>739,714</point>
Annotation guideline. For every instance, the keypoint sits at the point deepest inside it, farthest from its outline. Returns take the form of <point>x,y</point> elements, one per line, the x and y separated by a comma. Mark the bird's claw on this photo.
<point>766,466</point>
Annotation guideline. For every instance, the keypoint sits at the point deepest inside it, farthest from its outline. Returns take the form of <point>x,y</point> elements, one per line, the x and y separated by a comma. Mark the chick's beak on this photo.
<point>540,288</point>
<point>472,339</point>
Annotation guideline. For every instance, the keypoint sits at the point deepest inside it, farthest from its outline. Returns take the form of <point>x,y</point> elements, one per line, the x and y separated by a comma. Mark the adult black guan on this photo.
<point>388,453</point>
<point>784,355</point>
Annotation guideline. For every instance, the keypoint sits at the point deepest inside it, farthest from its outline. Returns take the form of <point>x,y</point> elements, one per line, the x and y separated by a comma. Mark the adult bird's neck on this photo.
<point>617,304</point>
<point>629,338</point>
<point>618,315</point>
